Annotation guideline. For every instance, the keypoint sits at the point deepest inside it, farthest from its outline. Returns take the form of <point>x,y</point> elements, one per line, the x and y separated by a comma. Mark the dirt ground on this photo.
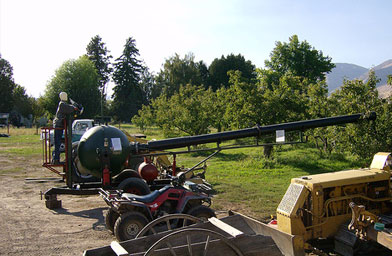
<point>27,227</point>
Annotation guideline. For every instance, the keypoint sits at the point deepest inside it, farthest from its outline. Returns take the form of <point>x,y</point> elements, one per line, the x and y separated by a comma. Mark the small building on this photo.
<point>4,119</point>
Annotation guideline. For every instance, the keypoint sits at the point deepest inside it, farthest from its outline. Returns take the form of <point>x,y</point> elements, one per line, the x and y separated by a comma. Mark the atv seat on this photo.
<point>146,198</point>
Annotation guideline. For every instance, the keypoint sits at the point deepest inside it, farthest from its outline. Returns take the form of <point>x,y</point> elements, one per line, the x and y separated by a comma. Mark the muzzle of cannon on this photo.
<point>92,144</point>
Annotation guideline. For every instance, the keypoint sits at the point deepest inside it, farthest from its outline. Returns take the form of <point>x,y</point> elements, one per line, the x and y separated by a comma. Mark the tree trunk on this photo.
<point>268,150</point>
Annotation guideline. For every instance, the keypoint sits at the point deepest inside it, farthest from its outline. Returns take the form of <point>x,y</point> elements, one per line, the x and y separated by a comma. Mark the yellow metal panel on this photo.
<point>341,178</point>
<point>287,213</point>
<point>380,160</point>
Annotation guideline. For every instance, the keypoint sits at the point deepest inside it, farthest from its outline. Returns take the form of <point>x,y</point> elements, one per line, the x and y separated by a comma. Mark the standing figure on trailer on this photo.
<point>58,122</point>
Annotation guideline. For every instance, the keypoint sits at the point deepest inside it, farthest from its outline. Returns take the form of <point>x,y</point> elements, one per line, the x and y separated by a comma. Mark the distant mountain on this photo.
<point>351,71</point>
<point>343,71</point>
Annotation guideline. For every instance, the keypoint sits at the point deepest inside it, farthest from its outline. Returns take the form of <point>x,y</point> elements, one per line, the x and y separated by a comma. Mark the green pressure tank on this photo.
<point>91,145</point>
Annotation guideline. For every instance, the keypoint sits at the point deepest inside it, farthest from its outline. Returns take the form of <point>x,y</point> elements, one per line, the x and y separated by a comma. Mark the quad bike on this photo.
<point>129,213</point>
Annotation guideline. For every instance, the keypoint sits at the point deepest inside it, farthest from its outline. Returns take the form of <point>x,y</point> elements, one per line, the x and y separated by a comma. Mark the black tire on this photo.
<point>202,212</point>
<point>110,219</point>
<point>128,225</point>
<point>76,175</point>
<point>135,186</point>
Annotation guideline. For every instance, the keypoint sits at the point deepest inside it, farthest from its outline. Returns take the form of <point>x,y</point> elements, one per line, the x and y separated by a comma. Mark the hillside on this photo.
<point>351,71</point>
<point>343,71</point>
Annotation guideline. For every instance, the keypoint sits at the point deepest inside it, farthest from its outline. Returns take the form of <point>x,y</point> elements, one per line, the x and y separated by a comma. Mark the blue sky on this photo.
<point>36,37</point>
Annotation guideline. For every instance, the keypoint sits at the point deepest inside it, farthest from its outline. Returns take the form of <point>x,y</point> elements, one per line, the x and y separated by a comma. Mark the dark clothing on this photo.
<point>58,122</point>
<point>58,135</point>
<point>62,110</point>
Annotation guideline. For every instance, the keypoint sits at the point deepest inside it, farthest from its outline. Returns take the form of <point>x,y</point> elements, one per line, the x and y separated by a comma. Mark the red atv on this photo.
<point>129,213</point>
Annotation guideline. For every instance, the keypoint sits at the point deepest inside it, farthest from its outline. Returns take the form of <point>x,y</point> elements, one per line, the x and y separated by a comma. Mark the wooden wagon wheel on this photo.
<point>180,218</point>
<point>211,236</point>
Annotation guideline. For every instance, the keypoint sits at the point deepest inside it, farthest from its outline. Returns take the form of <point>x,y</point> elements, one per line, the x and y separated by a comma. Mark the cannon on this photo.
<point>105,153</point>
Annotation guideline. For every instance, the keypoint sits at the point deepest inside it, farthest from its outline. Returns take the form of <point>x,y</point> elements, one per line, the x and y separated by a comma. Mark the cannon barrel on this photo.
<point>92,144</point>
<point>252,132</point>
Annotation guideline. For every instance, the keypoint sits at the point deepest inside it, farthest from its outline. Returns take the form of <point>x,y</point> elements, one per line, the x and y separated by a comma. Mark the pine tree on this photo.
<point>128,96</point>
<point>99,55</point>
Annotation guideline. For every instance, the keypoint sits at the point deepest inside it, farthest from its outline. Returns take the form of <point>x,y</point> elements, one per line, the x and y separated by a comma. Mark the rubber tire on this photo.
<point>137,219</point>
<point>135,186</point>
<point>110,219</point>
<point>202,212</point>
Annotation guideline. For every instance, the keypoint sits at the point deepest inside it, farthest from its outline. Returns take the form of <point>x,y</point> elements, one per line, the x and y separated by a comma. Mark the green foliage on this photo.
<point>299,59</point>
<point>219,68</point>
<point>353,97</point>
<point>148,85</point>
<point>249,183</point>
<point>7,86</point>
<point>188,111</point>
<point>244,102</point>
<point>79,79</point>
<point>179,71</point>
<point>128,97</point>
<point>23,104</point>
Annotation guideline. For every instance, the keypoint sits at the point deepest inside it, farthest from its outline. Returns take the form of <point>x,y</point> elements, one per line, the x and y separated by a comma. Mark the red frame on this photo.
<point>47,153</point>
<point>182,195</point>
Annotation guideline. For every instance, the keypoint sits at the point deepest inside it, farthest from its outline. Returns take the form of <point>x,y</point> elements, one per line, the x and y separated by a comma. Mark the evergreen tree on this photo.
<point>99,55</point>
<point>128,97</point>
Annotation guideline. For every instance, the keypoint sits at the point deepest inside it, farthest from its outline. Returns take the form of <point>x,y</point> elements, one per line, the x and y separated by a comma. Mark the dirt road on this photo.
<point>27,227</point>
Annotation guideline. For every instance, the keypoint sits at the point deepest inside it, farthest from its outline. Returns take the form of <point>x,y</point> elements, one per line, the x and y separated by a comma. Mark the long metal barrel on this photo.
<point>252,132</point>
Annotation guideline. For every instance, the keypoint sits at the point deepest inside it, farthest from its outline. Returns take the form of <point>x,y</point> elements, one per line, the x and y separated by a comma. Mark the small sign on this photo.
<point>116,143</point>
<point>280,136</point>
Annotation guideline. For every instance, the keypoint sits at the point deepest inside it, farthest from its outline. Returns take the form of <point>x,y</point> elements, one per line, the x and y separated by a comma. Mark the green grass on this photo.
<point>25,145</point>
<point>245,179</point>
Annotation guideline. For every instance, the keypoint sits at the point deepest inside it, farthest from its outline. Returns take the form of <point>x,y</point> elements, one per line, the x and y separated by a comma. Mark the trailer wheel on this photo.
<point>167,222</point>
<point>202,212</point>
<point>134,186</point>
<point>128,225</point>
<point>110,219</point>
<point>213,243</point>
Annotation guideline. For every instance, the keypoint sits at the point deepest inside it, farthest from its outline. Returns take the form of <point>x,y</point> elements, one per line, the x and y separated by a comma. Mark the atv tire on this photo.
<point>128,225</point>
<point>110,219</point>
<point>202,212</point>
<point>135,186</point>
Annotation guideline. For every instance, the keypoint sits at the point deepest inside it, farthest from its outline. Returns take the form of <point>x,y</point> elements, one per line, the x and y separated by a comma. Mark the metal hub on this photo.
<point>133,229</point>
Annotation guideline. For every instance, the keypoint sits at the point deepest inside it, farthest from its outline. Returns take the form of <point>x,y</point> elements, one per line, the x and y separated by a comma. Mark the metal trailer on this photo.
<point>235,234</point>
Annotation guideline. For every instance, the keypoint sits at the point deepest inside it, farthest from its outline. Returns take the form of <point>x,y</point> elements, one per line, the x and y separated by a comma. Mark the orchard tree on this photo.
<point>128,96</point>
<point>219,68</point>
<point>366,138</point>
<point>243,102</point>
<point>299,59</point>
<point>98,53</point>
<point>179,71</point>
<point>187,111</point>
<point>79,79</point>
<point>7,86</point>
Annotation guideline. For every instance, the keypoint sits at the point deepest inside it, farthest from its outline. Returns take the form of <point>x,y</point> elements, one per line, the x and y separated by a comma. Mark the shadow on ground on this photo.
<point>96,213</point>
